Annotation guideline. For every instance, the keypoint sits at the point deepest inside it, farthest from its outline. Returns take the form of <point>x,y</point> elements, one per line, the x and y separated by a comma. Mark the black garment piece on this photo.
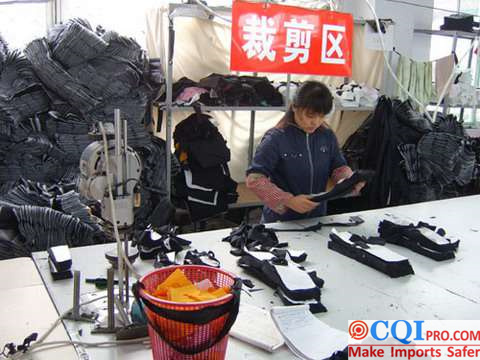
<point>270,272</point>
<point>359,249</point>
<point>206,258</point>
<point>419,238</point>
<point>339,355</point>
<point>353,221</point>
<point>346,186</point>
<point>164,241</point>
<point>250,237</point>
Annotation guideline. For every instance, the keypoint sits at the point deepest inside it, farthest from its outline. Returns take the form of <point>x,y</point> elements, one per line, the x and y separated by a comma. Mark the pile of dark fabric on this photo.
<point>414,160</point>
<point>49,101</point>
<point>262,256</point>
<point>226,90</point>
<point>204,182</point>
<point>252,237</point>
<point>40,216</point>
<point>423,238</point>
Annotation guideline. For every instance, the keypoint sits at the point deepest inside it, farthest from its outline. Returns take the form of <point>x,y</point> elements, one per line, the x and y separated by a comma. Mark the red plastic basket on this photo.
<point>178,340</point>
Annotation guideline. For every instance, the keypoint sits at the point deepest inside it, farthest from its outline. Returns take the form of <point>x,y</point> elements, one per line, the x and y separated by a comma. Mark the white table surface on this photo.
<point>438,290</point>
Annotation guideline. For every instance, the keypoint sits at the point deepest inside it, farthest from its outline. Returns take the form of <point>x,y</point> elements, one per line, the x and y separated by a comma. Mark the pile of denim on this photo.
<point>50,98</point>
<point>414,159</point>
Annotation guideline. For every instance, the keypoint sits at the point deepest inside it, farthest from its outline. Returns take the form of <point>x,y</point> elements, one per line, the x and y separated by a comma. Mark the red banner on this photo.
<point>287,39</point>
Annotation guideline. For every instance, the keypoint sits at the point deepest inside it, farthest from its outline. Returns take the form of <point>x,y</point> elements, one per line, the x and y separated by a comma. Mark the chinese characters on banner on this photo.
<point>286,39</point>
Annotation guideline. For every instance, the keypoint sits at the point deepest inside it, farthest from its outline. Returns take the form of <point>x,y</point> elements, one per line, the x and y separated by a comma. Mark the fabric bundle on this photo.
<point>422,238</point>
<point>371,252</point>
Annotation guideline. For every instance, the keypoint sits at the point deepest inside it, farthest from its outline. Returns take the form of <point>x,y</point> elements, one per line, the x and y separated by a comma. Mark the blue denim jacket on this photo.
<point>298,163</point>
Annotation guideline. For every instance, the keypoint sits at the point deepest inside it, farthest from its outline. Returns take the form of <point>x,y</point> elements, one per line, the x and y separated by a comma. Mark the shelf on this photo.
<point>350,108</point>
<point>162,106</point>
<point>456,105</point>
<point>450,33</point>
<point>196,11</point>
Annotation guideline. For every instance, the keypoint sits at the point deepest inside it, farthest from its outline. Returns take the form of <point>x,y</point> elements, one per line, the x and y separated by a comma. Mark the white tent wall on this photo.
<point>202,47</point>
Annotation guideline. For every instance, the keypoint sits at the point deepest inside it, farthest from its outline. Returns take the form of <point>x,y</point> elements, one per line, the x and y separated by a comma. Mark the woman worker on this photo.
<point>297,157</point>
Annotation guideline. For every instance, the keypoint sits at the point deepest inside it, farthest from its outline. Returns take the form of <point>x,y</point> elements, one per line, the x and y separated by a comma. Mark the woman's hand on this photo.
<point>301,204</point>
<point>358,187</point>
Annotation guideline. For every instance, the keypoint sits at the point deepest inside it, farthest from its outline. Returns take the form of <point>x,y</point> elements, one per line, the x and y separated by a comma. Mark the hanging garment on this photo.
<point>416,77</point>
<point>204,183</point>
<point>443,70</point>
<point>371,254</point>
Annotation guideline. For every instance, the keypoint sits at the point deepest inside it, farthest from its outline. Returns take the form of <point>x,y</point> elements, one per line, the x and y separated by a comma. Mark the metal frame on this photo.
<point>457,35</point>
<point>193,10</point>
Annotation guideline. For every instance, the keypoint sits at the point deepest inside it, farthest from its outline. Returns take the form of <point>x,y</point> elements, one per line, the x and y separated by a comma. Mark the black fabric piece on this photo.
<point>314,307</point>
<point>198,317</point>
<point>265,271</point>
<point>164,240</point>
<point>339,355</point>
<point>353,221</point>
<point>346,186</point>
<point>358,252</point>
<point>206,258</point>
<point>410,236</point>
<point>252,236</point>
<point>282,253</point>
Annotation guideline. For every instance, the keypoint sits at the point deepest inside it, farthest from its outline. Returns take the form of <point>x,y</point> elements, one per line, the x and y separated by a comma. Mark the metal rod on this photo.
<point>251,137</point>
<point>76,295</point>
<point>427,7</point>
<point>119,163</point>
<point>168,125</point>
<point>125,154</point>
<point>110,299</point>
<point>118,148</point>
<point>126,273</point>
<point>287,93</point>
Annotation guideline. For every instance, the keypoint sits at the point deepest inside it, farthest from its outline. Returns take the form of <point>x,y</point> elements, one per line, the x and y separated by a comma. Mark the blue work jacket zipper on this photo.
<point>311,165</point>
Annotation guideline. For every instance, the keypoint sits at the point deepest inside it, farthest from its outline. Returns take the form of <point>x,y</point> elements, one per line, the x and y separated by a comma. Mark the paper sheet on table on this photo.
<point>255,326</point>
<point>307,336</point>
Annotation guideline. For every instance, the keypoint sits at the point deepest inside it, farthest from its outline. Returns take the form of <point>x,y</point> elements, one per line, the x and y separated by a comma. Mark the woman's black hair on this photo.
<point>313,96</point>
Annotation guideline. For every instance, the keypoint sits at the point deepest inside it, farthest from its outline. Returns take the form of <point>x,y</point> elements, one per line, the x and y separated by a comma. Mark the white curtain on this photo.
<point>202,47</point>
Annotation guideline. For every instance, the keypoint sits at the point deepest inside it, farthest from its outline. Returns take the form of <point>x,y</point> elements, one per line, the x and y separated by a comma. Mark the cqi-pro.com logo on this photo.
<point>401,330</point>
<point>414,339</point>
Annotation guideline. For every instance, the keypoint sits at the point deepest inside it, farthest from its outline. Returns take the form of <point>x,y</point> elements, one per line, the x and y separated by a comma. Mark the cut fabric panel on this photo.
<point>420,238</point>
<point>374,255</point>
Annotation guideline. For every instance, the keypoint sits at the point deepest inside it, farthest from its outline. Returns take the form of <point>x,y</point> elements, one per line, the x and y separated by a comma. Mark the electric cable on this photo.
<point>52,327</point>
